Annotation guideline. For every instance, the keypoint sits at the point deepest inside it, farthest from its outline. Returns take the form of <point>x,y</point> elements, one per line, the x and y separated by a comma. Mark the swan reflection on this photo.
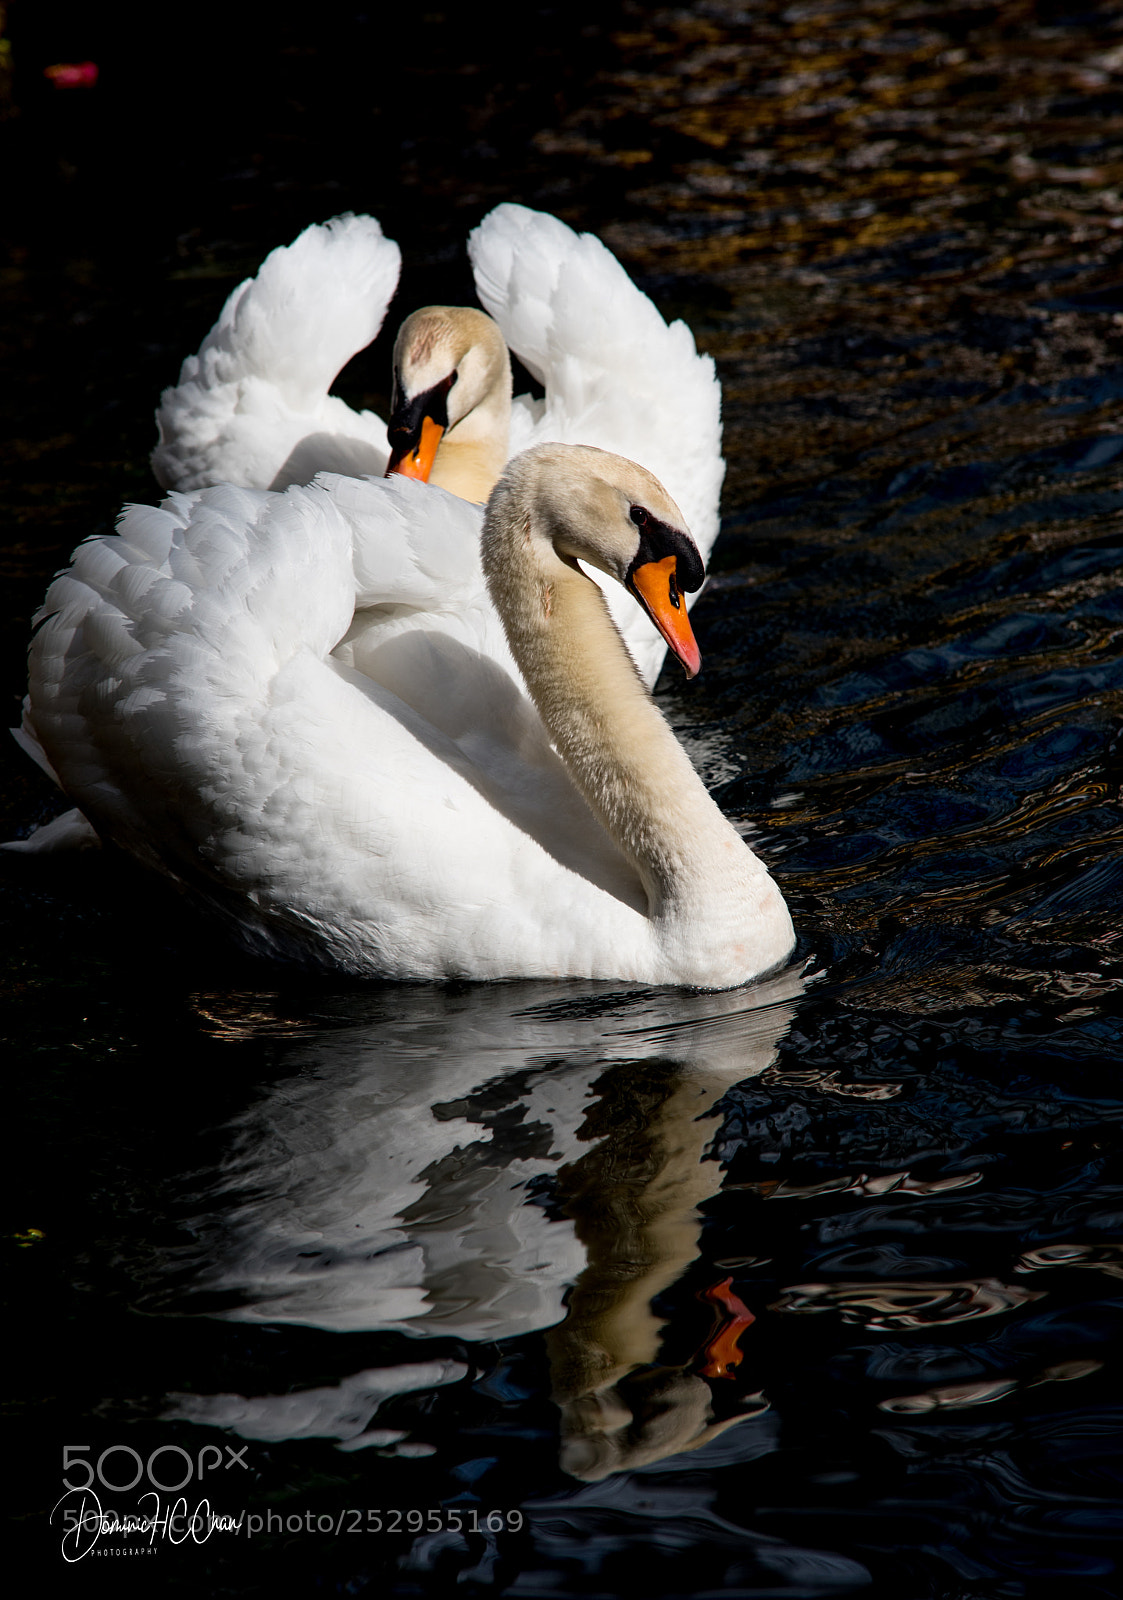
<point>442,1163</point>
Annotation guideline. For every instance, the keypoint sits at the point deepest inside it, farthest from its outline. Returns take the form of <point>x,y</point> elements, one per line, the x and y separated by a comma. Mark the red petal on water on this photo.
<point>72,74</point>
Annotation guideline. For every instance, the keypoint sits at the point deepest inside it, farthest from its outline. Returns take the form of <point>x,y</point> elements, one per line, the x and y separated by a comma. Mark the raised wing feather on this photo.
<point>616,374</point>
<point>252,406</point>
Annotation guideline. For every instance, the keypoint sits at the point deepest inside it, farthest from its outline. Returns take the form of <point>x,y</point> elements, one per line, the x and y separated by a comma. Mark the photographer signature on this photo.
<point>85,1521</point>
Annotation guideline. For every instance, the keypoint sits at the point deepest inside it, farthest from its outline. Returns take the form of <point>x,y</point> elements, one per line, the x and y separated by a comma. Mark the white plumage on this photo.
<point>252,408</point>
<point>187,698</point>
<point>383,799</point>
<point>616,374</point>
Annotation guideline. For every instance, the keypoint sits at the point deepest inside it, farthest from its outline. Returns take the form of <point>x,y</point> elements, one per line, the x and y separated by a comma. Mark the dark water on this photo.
<point>442,1254</point>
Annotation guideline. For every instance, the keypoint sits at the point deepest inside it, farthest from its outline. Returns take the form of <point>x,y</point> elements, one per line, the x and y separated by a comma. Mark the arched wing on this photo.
<point>252,407</point>
<point>616,374</point>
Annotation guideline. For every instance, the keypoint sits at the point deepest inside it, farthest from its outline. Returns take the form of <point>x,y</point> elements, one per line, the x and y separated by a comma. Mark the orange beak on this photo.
<point>655,585</point>
<point>417,461</point>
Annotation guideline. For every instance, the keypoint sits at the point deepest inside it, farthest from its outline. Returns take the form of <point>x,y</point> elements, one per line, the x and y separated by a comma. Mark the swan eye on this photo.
<point>639,516</point>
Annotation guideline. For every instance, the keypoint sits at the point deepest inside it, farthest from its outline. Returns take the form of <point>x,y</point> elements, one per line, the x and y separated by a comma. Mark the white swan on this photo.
<point>252,408</point>
<point>400,807</point>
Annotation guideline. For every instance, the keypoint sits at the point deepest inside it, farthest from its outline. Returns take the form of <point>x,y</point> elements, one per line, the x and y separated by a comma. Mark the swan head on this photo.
<point>599,508</point>
<point>450,362</point>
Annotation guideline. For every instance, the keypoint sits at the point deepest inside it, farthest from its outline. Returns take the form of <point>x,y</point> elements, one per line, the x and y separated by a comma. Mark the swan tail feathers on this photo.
<point>28,741</point>
<point>188,610</point>
<point>256,391</point>
<point>69,832</point>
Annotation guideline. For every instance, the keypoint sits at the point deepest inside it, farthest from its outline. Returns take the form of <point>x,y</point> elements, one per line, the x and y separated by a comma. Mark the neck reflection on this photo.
<point>394,1179</point>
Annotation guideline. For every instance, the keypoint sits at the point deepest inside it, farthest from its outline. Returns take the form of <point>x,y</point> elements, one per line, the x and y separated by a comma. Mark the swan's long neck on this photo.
<point>473,452</point>
<point>704,886</point>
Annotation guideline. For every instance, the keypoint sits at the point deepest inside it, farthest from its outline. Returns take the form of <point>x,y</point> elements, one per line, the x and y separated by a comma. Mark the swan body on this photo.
<point>391,800</point>
<point>252,408</point>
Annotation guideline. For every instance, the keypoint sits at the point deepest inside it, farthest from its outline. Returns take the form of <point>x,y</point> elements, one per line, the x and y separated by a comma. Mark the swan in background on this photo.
<point>450,422</point>
<point>252,408</point>
<point>393,803</point>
